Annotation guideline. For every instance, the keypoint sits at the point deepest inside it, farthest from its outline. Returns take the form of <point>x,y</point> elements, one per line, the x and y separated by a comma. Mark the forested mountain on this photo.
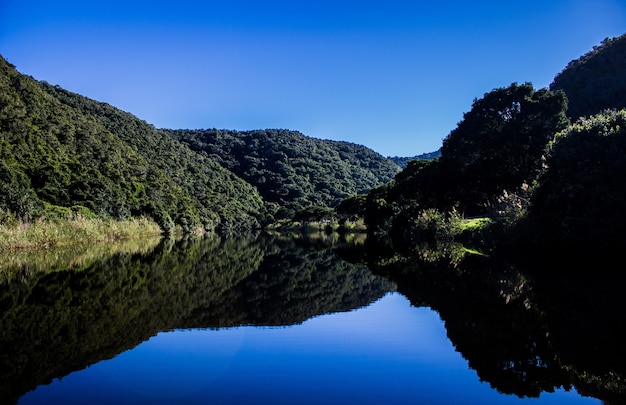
<point>496,149</point>
<point>523,159</point>
<point>596,81</point>
<point>60,150</point>
<point>404,161</point>
<point>291,169</point>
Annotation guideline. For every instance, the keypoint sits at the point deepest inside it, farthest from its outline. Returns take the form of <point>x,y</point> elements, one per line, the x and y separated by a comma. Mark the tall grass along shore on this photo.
<point>42,234</point>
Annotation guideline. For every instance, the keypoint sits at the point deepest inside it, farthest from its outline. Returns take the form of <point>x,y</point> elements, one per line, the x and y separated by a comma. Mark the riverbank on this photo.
<point>43,234</point>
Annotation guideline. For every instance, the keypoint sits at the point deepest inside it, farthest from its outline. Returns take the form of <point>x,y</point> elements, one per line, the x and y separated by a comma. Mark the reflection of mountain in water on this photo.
<point>291,285</point>
<point>528,326</point>
<point>52,324</point>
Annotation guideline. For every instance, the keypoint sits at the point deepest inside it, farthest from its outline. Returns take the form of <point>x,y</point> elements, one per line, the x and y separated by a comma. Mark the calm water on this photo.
<point>259,321</point>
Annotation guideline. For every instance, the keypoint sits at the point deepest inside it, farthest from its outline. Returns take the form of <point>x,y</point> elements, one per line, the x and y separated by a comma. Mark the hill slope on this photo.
<point>596,81</point>
<point>59,150</point>
<point>291,169</point>
<point>403,161</point>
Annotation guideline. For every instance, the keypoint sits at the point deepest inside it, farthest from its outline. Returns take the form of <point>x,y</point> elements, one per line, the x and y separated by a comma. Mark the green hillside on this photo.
<point>403,161</point>
<point>62,151</point>
<point>596,81</point>
<point>291,169</point>
<point>520,159</point>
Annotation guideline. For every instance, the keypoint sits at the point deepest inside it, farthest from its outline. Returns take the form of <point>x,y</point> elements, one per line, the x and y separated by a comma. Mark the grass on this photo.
<point>76,229</point>
<point>475,224</point>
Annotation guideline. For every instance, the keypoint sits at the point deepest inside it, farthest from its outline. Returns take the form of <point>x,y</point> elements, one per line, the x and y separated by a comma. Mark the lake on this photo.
<point>283,321</point>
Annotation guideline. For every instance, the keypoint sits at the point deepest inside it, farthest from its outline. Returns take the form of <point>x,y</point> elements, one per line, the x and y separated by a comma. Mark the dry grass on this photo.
<point>44,234</point>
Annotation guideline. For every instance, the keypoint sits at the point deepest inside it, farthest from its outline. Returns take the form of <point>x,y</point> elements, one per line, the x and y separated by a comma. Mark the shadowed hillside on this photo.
<point>596,81</point>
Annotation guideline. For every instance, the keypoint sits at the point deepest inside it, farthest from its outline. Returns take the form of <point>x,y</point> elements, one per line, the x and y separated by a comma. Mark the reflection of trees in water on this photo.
<point>523,331</point>
<point>55,323</point>
<point>293,284</point>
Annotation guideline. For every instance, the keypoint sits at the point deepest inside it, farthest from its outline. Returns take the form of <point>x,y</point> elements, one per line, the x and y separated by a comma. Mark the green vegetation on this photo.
<point>74,230</point>
<point>516,172</point>
<point>485,167</point>
<point>517,162</point>
<point>581,198</point>
<point>62,154</point>
<point>404,161</point>
<point>60,151</point>
<point>596,81</point>
<point>290,169</point>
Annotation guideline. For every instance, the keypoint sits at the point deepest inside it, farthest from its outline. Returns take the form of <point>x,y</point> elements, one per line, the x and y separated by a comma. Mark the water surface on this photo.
<point>282,322</point>
<point>388,352</point>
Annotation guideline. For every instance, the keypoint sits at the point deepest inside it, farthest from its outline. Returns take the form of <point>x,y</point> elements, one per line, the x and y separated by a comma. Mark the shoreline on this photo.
<point>46,234</point>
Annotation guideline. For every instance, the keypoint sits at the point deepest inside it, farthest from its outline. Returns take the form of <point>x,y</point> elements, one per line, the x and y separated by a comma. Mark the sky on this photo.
<point>395,76</point>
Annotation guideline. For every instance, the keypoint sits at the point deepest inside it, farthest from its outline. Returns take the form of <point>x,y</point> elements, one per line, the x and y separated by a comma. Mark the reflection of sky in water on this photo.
<point>389,352</point>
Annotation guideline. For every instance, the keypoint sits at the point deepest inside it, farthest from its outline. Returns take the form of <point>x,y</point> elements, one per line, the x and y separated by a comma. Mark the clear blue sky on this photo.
<point>395,76</point>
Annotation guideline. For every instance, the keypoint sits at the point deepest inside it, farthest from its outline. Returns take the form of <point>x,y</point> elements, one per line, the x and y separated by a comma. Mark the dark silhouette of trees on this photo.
<point>581,199</point>
<point>500,142</point>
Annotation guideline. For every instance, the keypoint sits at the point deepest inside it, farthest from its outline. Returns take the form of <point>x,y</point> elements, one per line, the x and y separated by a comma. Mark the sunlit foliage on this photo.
<point>290,169</point>
<point>60,151</point>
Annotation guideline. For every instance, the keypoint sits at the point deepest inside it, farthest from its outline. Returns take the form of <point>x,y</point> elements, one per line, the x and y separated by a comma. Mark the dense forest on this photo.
<point>545,166</point>
<point>526,160</point>
<point>60,151</point>
<point>527,168</point>
<point>290,169</point>
<point>596,81</point>
<point>403,161</point>
<point>64,154</point>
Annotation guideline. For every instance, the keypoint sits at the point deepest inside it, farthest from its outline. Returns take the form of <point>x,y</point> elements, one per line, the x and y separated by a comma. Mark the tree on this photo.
<point>581,198</point>
<point>500,143</point>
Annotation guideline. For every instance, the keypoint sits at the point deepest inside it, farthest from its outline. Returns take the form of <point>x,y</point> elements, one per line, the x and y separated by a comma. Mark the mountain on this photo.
<point>527,161</point>
<point>595,81</point>
<point>61,151</point>
<point>404,161</point>
<point>290,169</point>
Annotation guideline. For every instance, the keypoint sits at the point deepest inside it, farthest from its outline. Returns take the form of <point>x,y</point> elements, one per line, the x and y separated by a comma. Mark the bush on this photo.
<point>581,198</point>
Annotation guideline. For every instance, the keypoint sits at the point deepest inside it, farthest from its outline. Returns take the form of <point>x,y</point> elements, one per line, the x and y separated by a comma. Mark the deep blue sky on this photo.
<point>395,76</point>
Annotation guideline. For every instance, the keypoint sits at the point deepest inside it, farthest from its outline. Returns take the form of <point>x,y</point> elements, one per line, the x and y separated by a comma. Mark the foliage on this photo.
<point>290,169</point>
<point>59,149</point>
<point>404,161</point>
<point>314,213</point>
<point>429,224</point>
<point>581,199</point>
<point>596,81</point>
<point>503,161</point>
<point>485,166</point>
<point>352,208</point>
<point>499,144</point>
<point>72,229</point>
